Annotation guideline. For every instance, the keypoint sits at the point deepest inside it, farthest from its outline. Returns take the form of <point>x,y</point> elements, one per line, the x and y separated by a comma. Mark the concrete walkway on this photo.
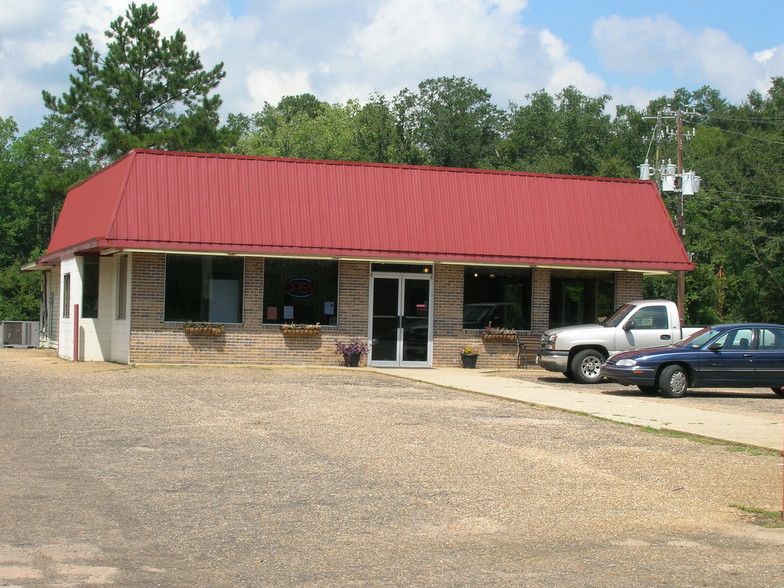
<point>745,430</point>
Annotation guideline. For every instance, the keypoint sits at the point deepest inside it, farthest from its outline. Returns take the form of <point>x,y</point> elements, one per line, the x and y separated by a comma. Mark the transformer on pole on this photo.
<point>670,177</point>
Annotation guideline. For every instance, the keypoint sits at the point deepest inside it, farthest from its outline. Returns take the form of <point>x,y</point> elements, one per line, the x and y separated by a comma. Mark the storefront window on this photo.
<point>90,287</point>
<point>300,291</point>
<point>498,296</point>
<point>204,288</point>
<point>578,299</point>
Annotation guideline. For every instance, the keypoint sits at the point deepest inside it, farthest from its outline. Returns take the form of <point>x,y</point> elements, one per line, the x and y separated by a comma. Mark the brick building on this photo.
<point>415,260</point>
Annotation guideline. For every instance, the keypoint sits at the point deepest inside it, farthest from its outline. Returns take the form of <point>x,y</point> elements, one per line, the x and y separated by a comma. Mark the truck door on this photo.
<point>647,327</point>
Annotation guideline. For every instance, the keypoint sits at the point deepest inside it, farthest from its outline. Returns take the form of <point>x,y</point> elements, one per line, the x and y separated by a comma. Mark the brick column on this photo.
<point>540,312</point>
<point>628,286</point>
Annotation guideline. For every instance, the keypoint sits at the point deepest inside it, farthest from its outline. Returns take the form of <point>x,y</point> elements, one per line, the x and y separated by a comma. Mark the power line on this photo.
<point>776,142</point>
<point>775,121</point>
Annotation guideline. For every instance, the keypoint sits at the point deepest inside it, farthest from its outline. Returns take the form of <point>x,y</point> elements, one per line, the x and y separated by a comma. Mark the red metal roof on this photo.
<point>238,204</point>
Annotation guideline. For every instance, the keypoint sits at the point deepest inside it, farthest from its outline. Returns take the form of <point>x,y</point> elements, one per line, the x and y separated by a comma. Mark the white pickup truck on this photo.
<point>579,351</point>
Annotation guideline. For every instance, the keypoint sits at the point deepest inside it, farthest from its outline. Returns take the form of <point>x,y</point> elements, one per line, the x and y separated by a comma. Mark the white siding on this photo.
<point>104,338</point>
<point>120,328</point>
<point>65,338</point>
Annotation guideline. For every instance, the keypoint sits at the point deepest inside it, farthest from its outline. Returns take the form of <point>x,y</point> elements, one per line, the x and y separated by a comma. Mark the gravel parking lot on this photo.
<point>198,476</point>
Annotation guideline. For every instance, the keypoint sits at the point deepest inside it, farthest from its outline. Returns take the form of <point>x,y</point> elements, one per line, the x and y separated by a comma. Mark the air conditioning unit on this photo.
<point>19,333</point>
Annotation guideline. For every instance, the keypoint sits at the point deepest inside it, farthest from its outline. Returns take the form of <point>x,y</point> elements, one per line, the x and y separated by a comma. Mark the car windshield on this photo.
<point>619,315</point>
<point>699,338</point>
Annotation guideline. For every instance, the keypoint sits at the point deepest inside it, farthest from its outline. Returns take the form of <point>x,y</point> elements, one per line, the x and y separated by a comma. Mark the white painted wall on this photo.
<point>104,338</point>
<point>120,328</point>
<point>65,335</point>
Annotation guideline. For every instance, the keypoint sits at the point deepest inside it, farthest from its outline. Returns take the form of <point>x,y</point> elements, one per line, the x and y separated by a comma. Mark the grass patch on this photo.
<point>770,519</point>
<point>730,447</point>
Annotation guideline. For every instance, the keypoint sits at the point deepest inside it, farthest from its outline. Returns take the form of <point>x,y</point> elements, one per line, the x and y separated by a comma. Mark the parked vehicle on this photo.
<point>735,356</point>
<point>579,351</point>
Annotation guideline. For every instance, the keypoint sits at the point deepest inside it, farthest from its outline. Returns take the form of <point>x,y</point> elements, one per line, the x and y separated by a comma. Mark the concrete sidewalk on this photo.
<point>745,430</point>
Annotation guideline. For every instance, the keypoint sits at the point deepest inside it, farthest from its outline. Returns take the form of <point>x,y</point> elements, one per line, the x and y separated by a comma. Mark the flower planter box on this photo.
<point>502,336</point>
<point>203,329</point>
<point>301,330</point>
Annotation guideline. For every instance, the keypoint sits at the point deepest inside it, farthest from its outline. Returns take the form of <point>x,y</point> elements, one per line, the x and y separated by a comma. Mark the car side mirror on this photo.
<point>628,326</point>
<point>715,347</point>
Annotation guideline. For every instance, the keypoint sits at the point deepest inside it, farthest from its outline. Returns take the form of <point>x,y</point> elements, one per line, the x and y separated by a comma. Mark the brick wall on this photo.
<point>156,341</point>
<point>628,286</point>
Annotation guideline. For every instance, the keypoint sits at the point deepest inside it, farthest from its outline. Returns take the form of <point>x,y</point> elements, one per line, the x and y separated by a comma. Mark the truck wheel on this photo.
<point>673,382</point>
<point>585,366</point>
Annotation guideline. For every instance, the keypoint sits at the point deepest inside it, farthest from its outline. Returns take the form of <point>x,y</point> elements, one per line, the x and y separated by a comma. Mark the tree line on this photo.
<point>152,92</point>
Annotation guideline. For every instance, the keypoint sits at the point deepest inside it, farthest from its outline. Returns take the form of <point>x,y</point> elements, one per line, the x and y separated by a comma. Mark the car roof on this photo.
<point>745,325</point>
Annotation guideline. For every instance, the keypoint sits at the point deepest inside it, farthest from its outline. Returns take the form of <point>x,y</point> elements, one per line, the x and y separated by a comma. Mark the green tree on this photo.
<point>36,170</point>
<point>455,123</point>
<point>147,91</point>
<point>376,138</point>
<point>565,134</point>
<point>299,127</point>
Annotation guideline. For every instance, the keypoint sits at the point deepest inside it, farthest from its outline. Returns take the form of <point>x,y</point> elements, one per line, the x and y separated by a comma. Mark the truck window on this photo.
<point>618,316</point>
<point>651,317</point>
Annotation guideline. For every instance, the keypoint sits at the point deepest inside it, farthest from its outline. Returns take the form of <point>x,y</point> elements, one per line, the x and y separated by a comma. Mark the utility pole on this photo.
<point>671,179</point>
<point>681,227</point>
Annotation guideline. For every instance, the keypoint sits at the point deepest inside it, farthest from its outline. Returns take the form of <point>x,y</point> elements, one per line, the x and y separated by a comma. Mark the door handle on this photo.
<point>665,337</point>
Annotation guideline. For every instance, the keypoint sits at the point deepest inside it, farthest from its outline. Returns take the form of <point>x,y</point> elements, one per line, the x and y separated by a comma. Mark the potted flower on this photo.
<point>351,350</point>
<point>469,355</point>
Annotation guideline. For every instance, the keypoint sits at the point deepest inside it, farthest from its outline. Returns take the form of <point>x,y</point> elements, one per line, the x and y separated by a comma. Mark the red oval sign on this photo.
<point>300,287</point>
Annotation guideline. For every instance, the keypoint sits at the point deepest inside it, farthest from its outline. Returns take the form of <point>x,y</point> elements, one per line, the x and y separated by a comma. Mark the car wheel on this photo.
<point>673,382</point>
<point>585,366</point>
<point>779,391</point>
<point>648,389</point>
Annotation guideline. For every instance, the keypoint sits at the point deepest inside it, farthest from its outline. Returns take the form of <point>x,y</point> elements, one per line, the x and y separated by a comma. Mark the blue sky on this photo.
<point>340,49</point>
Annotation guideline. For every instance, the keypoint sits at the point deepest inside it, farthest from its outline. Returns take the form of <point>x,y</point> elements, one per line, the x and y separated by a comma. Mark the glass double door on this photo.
<point>400,320</point>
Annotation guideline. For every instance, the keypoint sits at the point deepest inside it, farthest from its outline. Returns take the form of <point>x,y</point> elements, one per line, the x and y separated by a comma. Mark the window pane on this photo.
<point>122,286</point>
<point>300,291</point>
<point>576,299</point>
<point>651,317</point>
<point>67,296</point>
<point>497,296</point>
<point>204,288</point>
<point>771,339</point>
<point>90,288</point>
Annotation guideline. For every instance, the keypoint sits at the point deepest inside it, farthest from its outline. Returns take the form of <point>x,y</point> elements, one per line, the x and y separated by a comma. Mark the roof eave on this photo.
<point>656,267</point>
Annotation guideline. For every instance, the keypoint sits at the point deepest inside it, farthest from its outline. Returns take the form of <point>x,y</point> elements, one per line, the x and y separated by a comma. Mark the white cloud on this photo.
<point>267,85</point>
<point>564,71</point>
<point>341,49</point>
<point>696,56</point>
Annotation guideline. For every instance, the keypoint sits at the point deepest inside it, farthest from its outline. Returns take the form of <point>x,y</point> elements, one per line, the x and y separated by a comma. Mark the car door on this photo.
<point>769,357</point>
<point>729,361</point>
<point>647,327</point>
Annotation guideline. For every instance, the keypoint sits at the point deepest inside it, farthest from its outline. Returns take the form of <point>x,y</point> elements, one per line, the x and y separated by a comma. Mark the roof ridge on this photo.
<point>348,163</point>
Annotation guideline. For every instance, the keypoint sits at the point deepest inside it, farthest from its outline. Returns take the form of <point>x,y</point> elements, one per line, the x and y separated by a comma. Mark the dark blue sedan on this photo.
<point>726,356</point>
